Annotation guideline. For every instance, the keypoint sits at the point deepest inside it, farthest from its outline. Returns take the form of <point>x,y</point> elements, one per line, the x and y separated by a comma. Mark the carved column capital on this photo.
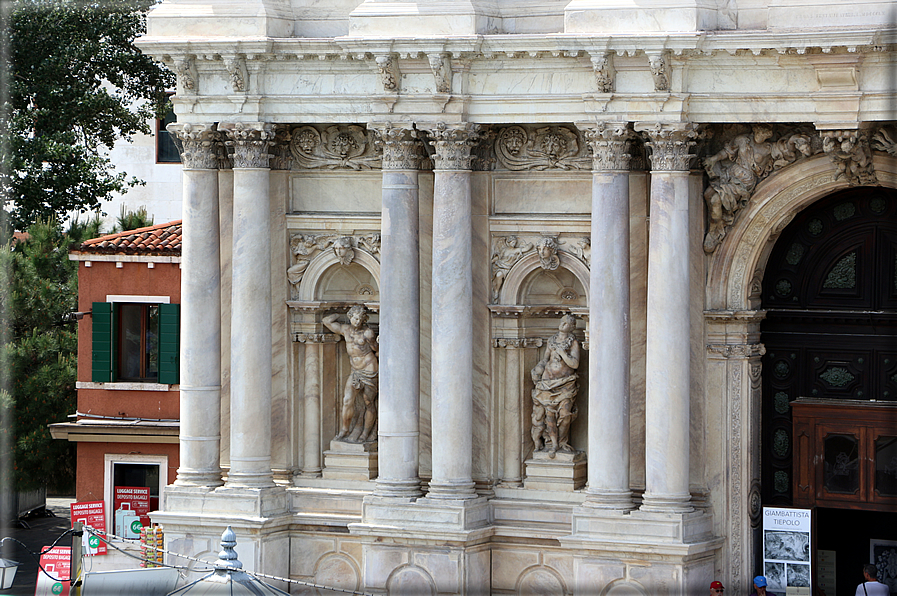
<point>198,145</point>
<point>610,145</point>
<point>671,145</point>
<point>453,143</point>
<point>402,149</point>
<point>251,142</point>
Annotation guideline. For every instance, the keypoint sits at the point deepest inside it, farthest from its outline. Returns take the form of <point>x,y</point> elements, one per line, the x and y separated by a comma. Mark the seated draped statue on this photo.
<point>555,391</point>
<point>362,347</point>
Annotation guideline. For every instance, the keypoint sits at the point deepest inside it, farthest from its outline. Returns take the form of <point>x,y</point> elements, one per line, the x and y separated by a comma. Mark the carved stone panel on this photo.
<point>335,147</point>
<point>545,148</point>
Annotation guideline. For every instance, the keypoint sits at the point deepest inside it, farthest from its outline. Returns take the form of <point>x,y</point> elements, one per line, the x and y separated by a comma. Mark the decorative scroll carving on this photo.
<point>362,346</point>
<point>185,69</point>
<point>251,143</point>
<point>304,247</point>
<point>658,65</point>
<point>883,140</point>
<point>671,146</point>
<point>198,145</point>
<point>547,248</point>
<point>850,152</point>
<point>736,170</point>
<point>282,159</point>
<point>506,251</point>
<point>554,394</point>
<point>388,69</point>
<point>610,145</point>
<point>236,68</point>
<point>602,65</point>
<point>549,147</point>
<point>400,146</point>
<point>453,144</point>
<point>349,147</point>
<point>517,343</point>
<point>441,65</point>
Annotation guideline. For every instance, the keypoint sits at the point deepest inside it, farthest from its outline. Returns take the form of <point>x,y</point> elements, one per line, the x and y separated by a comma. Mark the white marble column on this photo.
<point>399,416</point>
<point>609,334</point>
<point>200,374</point>
<point>250,411</point>
<point>668,341</point>
<point>451,391</point>
<point>311,435</point>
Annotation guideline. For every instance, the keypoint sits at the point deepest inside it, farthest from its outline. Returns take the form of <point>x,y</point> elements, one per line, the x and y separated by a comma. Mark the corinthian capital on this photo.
<point>609,142</point>
<point>453,143</point>
<point>198,145</point>
<point>402,149</point>
<point>251,141</point>
<point>671,145</point>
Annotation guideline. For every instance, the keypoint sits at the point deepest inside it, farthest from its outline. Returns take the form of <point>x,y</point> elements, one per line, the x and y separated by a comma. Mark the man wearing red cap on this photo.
<point>717,588</point>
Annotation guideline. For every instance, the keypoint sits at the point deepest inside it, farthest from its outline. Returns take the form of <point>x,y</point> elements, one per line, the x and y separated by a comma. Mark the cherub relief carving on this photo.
<point>304,247</point>
<point>850,152</point>
<point>349,147</point>
<point>547,248</point>
<point>506,251</point>
<point>736,170</point>
<point>549,147</point>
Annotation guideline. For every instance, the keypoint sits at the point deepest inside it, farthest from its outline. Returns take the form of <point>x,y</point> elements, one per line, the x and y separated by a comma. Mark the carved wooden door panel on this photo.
<point>830,291</point>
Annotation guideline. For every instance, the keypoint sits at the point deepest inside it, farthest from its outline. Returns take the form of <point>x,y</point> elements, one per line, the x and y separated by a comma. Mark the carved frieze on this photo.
<point>251,143</point>
<point>508,250</point>
<point>609,143</point>
<point>453,144</point>
<point>739,351</point>
<point>401,147</point>
<point>336,147</point>
<point>304,247</point>
<point>740,164</point>
<point>849,150</point>
<point>198,145</point>
<point>544,148</point>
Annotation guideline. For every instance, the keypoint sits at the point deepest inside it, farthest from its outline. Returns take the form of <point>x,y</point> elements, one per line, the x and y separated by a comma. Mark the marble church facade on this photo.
<point>471,172</point>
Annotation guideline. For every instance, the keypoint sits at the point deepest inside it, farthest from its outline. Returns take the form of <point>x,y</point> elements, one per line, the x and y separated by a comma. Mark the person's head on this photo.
<point>717,588</point>
<point>760,585</point>
<point>870,572</point>
<point>568,323</point>
<point>358,315</point>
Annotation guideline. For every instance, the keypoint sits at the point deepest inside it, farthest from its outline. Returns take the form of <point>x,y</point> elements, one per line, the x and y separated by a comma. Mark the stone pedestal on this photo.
<point>350,461</point>
<point>565,471</point>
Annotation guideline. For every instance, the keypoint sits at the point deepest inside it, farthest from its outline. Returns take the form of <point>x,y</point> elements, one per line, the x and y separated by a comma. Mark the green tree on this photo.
<point>76,84</point>
<point>40,353</point>
<point>132,220</point>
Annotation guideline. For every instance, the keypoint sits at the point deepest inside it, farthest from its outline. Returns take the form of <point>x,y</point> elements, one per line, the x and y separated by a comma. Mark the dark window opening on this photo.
<point>138,327</point>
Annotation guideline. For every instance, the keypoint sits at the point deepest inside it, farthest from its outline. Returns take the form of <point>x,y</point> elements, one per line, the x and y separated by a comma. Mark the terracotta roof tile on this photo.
<point>159,239</point>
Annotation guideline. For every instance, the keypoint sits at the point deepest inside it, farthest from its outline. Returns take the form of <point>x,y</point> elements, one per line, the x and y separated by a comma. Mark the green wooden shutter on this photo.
<point>169,343</point>
<point>101,358</point>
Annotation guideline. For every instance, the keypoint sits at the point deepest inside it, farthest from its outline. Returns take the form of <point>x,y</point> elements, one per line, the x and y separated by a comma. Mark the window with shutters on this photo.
<point>135,342</point>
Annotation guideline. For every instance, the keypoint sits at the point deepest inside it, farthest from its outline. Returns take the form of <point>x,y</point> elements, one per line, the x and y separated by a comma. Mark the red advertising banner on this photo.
<point>58,563</point>
<point>133,498</point>
<point>93,514</point>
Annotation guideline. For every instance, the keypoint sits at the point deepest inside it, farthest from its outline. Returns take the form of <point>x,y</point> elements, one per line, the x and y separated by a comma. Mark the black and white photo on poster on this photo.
<point>883,554</point>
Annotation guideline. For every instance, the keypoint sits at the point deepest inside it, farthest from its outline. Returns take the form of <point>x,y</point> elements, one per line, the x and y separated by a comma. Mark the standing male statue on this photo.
<point>362,347</point>
<point>556,387</point>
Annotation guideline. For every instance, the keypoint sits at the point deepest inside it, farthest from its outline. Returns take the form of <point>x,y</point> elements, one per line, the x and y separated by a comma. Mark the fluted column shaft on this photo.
<point>668,342</point>
<point>609,334</point>
<point>250,445</point>
<point>399,416</point>
<point>451,391</point>
<point>200,349</point>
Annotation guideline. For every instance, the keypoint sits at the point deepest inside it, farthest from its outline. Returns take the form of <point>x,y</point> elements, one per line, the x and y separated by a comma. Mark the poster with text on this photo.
<point>58,563</point>
<point>787,543</point>
<point>139,499</point>
<point>93,514</point>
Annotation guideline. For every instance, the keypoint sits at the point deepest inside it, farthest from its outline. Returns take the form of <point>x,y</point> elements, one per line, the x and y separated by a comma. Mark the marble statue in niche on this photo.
<point>506,251</point>
<point>556,386</point>
<point>736,170</point>
<point>362,346</point>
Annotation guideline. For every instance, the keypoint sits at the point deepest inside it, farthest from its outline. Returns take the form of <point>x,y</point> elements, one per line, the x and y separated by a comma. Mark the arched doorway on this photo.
<point>830,292</point>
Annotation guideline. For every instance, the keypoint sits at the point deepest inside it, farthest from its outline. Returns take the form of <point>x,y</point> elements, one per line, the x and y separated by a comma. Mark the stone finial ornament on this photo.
<point>554,394</point>
<point>362,346</point>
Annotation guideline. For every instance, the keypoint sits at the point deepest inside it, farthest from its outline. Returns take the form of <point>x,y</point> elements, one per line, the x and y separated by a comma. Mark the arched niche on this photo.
<point>527,275</point>
<point>741,258</point>
<point>326,279</point>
